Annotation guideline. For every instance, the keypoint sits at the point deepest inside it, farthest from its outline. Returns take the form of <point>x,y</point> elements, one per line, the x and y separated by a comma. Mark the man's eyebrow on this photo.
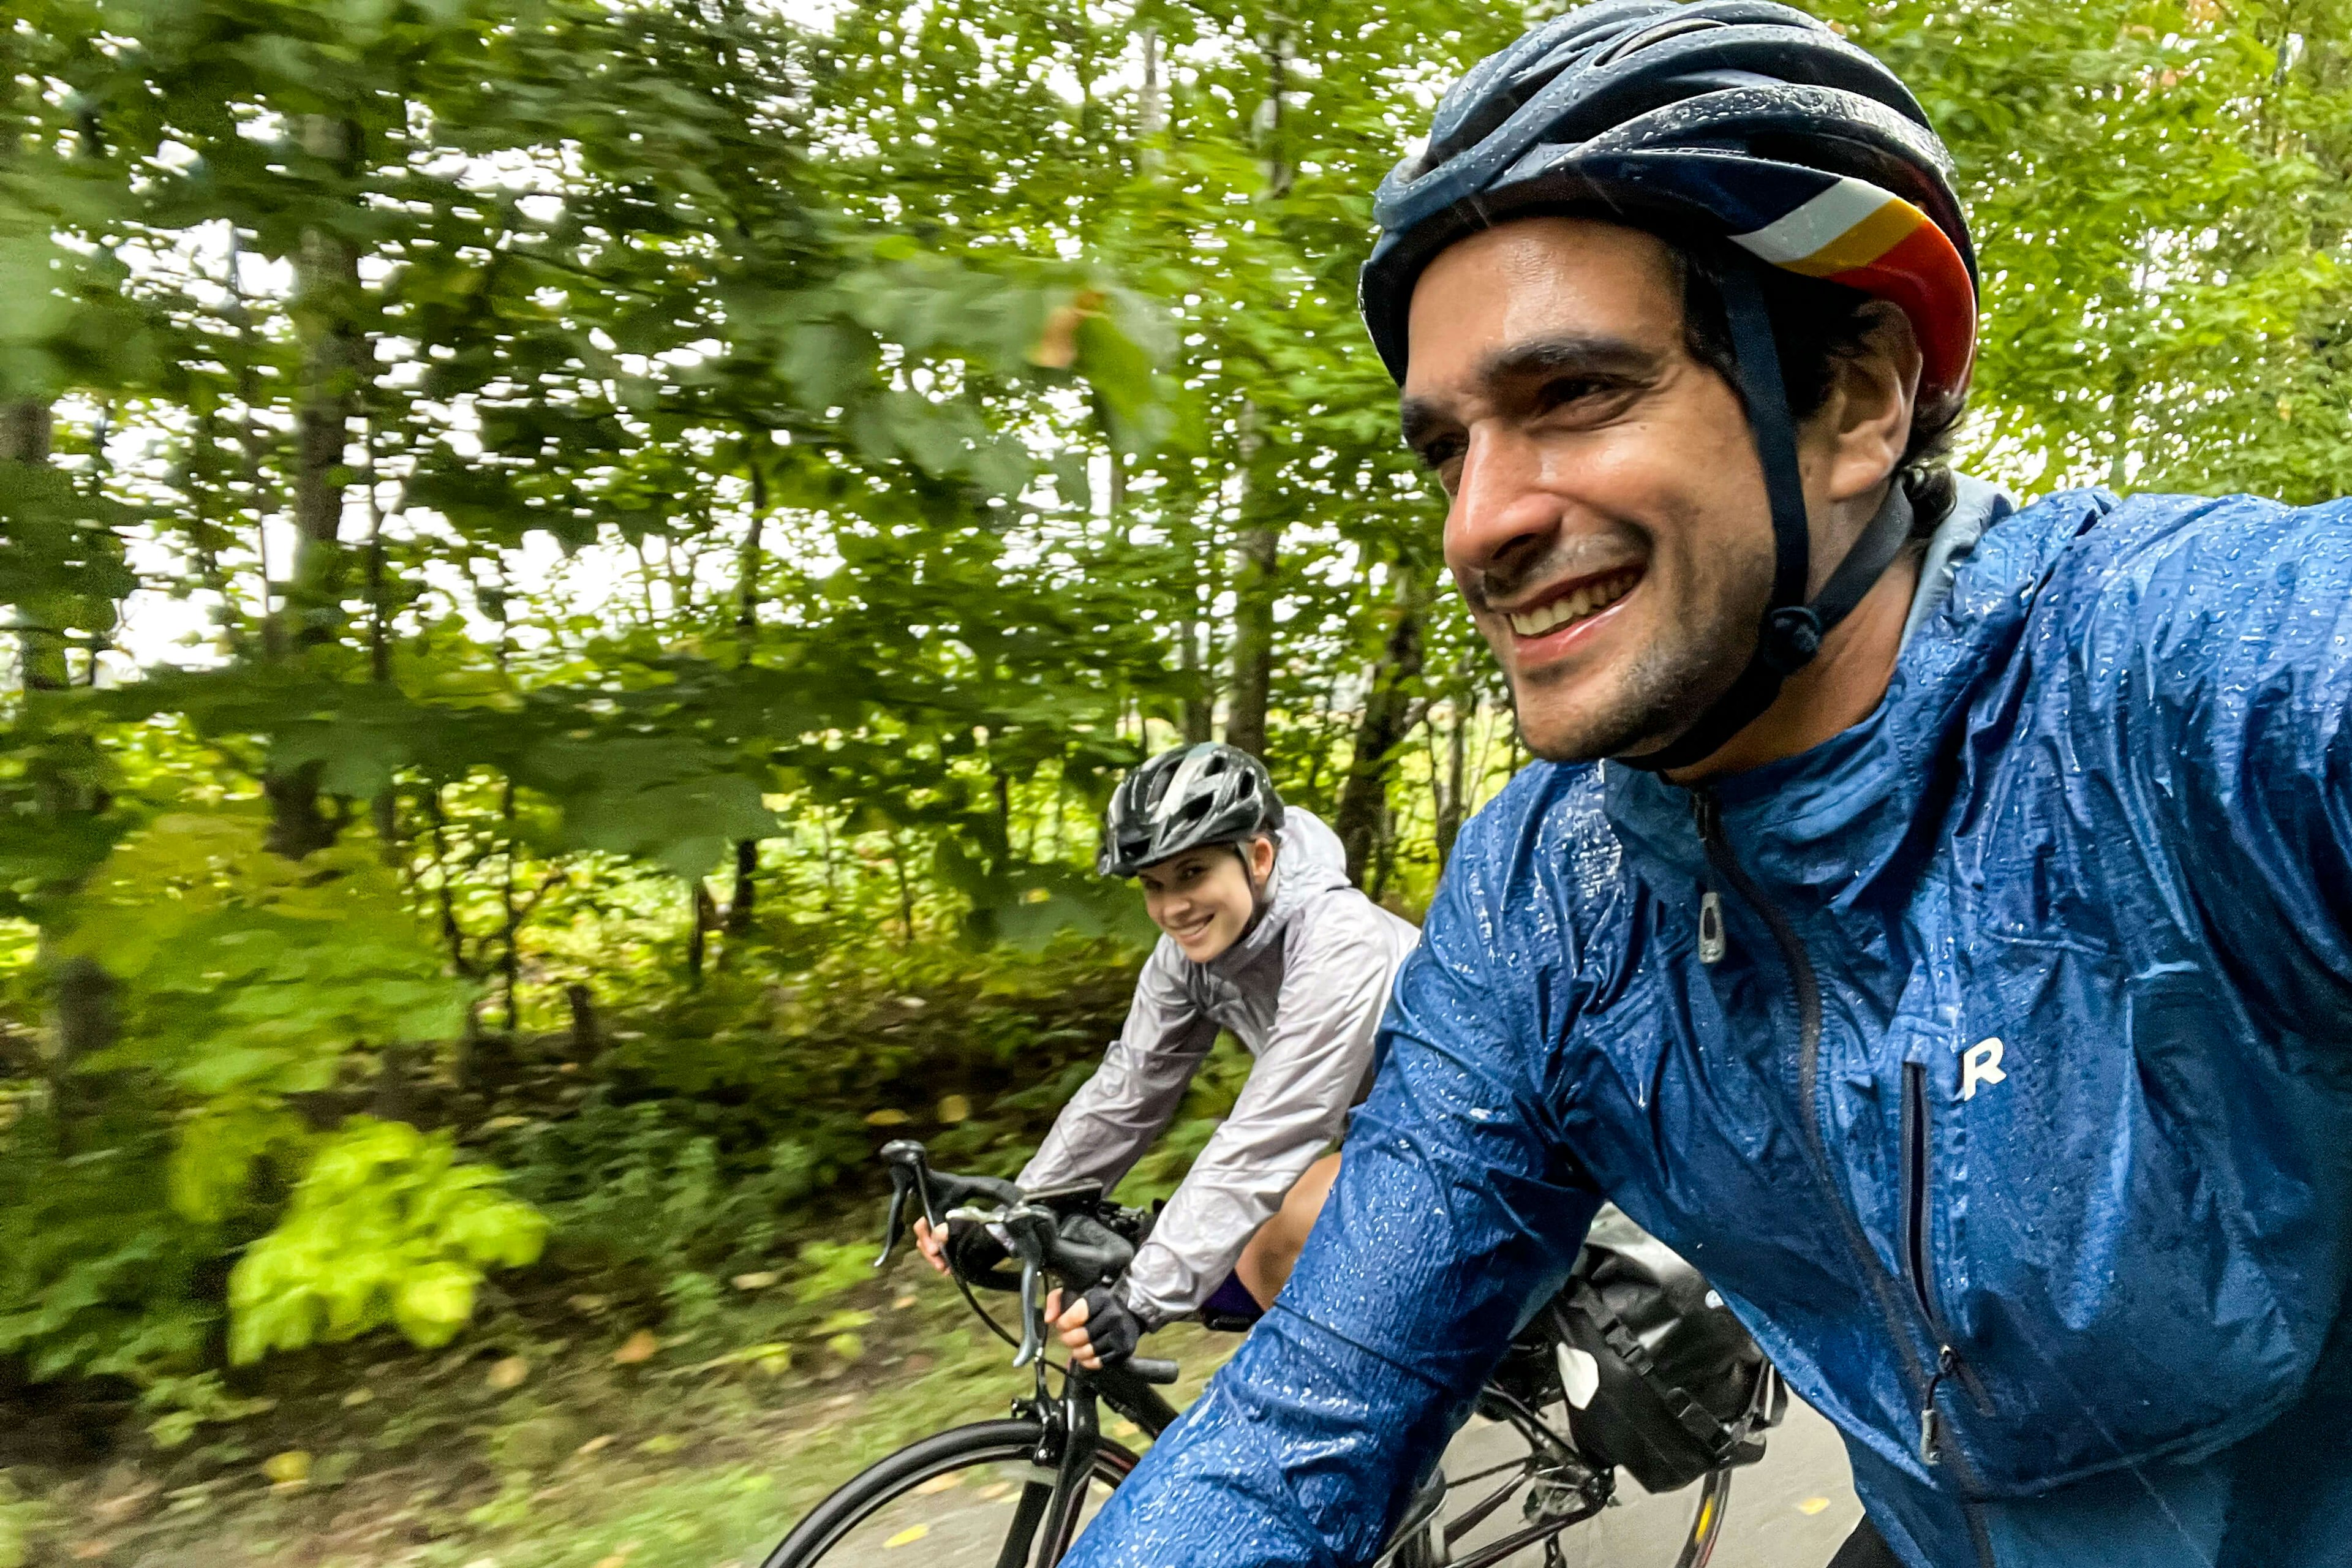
<point>1582,354</point>
<point>1595,353</point>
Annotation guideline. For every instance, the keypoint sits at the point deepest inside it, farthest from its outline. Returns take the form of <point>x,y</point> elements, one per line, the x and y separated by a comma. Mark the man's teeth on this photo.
<point>1589,600</point>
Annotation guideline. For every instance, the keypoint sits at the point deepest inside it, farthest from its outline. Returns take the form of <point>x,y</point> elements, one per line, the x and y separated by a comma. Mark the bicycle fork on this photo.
<point>1069,1434</point>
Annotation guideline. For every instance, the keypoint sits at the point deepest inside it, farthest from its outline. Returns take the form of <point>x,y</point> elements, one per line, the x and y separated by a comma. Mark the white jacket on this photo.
<point>1304,990</point>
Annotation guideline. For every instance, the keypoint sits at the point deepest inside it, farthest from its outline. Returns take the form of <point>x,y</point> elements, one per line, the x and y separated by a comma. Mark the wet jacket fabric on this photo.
<point>1303,989</point>
<point>2069,1128</point>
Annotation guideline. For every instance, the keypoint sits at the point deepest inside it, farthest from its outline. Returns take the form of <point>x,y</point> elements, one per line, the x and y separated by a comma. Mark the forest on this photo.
<point>577,575</point>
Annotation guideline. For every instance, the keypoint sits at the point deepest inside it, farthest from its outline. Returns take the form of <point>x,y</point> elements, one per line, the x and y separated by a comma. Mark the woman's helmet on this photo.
<point>1749,129</point>
<point>1183,798</point>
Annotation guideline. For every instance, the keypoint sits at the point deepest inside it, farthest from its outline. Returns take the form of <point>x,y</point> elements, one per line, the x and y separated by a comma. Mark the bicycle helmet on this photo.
<point>1183,798</point>
<point>1750,130</point>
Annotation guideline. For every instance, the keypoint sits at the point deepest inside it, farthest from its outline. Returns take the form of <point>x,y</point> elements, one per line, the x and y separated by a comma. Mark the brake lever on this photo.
<point>910,1168</point>
<point>1031,1232</point>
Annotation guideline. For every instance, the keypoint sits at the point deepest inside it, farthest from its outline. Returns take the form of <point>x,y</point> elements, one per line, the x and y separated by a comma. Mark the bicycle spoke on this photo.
<point>1471,1518</point>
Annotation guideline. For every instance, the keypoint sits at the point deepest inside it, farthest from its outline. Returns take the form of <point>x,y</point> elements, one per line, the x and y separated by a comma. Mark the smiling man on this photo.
<point>1931,919</point>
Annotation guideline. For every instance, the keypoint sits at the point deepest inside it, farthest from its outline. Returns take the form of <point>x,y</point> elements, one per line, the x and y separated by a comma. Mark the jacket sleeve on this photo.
<point>1306,1076</point>
<point>2226,652</point>
<point>1457,1211</point>
<point>1133,1095</point>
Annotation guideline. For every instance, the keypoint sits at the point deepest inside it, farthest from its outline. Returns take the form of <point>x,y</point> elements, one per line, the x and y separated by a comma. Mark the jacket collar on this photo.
<point>1308,864</point>
<point>1833,819</point>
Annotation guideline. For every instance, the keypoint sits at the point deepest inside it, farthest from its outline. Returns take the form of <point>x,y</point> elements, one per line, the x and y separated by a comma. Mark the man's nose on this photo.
<point>1502,512</point>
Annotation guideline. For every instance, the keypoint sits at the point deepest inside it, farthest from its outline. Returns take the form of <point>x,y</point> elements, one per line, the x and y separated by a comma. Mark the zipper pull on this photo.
<point>1931,1425</point>
<point>1707,816</point>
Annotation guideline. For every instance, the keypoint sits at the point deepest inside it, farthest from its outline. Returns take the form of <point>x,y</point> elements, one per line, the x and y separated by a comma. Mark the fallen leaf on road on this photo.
<point>594,1445</point>
<point>909,1535</point>
<point>758,1281</point>
<point>289,1469</point>
<point>1813,1505</point>
<point>638,1347</point>
<point>947,1482</point>
<point>128,1506</point>
<point>507,1372</point>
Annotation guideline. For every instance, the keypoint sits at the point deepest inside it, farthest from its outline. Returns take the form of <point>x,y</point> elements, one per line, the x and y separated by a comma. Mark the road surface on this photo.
<point>1789,1511</point>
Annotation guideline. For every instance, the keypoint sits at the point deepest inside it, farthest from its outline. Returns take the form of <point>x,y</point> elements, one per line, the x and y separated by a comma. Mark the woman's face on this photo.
<point>1203,898</point>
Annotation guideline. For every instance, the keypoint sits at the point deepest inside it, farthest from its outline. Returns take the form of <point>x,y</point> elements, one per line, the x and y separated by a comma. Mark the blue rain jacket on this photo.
<point>2057,1184</point>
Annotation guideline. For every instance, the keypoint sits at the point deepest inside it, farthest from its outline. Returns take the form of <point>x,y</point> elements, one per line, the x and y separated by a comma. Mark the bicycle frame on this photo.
<point>1070,1437</point>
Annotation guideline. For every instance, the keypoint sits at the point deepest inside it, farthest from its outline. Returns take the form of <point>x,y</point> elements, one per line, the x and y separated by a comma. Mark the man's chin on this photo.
<point>1560,729</point>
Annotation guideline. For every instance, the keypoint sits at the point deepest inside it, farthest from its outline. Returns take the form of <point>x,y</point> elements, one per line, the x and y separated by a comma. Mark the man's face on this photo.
<point>1608,521</point>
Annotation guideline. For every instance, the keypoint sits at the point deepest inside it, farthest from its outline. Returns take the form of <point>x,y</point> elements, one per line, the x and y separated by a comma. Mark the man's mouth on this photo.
<point>1580,601</point>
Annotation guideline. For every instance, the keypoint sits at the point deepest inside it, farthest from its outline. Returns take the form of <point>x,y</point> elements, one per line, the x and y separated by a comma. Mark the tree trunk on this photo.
<point>1253,579</point>
<point>298,824</point>
<point>705,920</point>
<point>25,429</point>
<point>1451,804</point>
<point>1388,709</point>
<point>586,1040</point>
<point>326,308</point>
<point>1255,557</point>
<point>83,1022</point>
<point>1200,709</point>
<point>745,897</point>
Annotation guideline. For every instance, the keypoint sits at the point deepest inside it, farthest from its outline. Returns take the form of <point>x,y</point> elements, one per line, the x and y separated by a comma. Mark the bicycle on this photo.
<point>1052,1451</point>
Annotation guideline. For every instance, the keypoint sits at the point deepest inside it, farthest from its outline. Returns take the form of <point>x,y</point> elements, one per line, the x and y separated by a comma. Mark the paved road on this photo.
<point>1790,1511</point>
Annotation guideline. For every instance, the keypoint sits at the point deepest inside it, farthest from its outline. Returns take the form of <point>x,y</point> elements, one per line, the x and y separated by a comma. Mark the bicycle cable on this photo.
<point>994,1327</point>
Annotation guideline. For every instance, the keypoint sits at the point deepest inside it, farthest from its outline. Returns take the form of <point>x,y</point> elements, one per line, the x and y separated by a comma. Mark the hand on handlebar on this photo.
<point>1096,1327</point>
<point>932,1244</point>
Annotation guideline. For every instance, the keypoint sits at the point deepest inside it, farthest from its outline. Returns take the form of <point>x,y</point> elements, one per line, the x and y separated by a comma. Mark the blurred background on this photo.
<point>578,571</point>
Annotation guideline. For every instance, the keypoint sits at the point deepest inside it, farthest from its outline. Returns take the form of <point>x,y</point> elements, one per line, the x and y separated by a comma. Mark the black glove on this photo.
<point>1112,1327</point>
<point>976,1253</point>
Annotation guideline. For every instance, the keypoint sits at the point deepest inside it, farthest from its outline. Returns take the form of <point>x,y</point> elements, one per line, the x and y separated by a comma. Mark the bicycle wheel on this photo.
<point>1488,1474</point>
<point>970,1496</point>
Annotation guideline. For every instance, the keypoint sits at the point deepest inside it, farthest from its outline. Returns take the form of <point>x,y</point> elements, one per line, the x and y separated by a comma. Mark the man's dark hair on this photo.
<point>1814,324</point>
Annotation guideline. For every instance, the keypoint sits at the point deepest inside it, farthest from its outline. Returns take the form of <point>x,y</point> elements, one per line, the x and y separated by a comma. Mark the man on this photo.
<point>1951,955</point>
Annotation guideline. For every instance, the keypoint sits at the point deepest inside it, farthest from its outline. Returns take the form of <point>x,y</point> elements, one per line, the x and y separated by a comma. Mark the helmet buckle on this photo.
<point>1793,635</point>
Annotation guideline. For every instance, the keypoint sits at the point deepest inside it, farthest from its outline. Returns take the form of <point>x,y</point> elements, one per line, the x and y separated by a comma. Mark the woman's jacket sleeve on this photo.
<point>1134,1094</point>
<point>1310,1069</point>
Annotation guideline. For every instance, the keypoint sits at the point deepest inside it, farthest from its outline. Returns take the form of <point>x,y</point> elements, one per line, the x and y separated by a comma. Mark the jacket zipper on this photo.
<point>1706,813</point>
<point>1918,1194</point>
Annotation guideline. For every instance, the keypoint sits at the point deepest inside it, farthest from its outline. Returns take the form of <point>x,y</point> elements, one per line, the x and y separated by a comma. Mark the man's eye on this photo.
<point>1570,390</point>
<point>1444,449</point>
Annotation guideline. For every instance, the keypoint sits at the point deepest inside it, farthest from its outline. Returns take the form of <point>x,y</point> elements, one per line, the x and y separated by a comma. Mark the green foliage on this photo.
<point>248,975</point>
<point>384,1228</point>
<point>676,518</point>
<point>98,1275</point>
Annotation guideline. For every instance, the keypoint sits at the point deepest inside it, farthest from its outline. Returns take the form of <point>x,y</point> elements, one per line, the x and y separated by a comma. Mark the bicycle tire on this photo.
<point>888,1479</point>
<point>1707,1525</point>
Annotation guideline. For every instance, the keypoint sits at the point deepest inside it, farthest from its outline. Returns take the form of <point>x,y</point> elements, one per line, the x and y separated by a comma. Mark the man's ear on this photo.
<point>1863,426</point>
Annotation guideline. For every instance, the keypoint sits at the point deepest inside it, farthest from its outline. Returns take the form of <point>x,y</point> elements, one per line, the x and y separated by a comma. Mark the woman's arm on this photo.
<point>1133,1095</point>
<point>1308,1071</point>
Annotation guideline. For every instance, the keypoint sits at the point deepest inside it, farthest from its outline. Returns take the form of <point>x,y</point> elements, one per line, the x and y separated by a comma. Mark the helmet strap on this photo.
<point>1792,629</point>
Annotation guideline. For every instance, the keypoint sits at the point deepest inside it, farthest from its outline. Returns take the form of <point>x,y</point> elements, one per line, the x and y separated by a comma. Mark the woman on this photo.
<point>1263,935</point>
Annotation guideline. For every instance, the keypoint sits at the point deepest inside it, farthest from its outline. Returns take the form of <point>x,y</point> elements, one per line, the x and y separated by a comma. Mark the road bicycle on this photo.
<point>1014,1493</point>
